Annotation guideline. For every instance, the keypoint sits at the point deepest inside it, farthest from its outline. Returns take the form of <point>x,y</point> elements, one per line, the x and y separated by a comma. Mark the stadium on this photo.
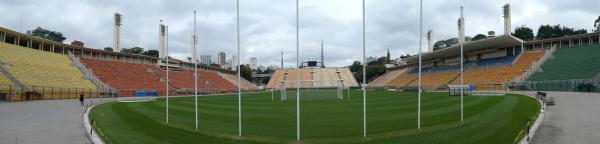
<point>497,89</point>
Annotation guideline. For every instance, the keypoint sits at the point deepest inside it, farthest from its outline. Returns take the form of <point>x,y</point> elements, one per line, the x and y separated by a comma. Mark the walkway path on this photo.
<point>575,119</point>
<point>46,121</point>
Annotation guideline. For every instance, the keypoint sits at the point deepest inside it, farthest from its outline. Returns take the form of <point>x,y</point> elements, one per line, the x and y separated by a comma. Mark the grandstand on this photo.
<point>579,62</point>
<point>500,73</point>
<point>488,61</point>
<point>312,78</point>
<point>125,77</point>
<point>130,77</point>
<point>185,80</point>
<point>37,70</point>
<point>245,85</point>
<point>505,61</point>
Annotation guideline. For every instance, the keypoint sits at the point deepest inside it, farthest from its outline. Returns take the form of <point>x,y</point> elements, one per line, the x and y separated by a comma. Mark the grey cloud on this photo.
<point>268,26</point>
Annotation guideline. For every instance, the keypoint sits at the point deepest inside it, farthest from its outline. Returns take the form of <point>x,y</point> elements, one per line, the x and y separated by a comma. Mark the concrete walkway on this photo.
<point>575,119</point>
<point>42,122</point>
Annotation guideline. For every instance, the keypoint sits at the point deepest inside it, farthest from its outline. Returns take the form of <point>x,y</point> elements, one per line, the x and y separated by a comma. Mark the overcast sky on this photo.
<point>268,26</point>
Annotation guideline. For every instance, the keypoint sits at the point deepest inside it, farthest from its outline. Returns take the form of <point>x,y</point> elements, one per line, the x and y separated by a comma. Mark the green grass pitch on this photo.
<point>391,118</point>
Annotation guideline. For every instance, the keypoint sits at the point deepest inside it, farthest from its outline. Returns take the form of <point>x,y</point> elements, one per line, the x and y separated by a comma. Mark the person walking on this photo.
<point>81,98</point>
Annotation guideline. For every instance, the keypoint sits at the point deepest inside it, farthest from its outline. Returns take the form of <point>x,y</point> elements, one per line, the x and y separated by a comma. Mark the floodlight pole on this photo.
<point>364,73</point>
<point>194,47</point>
<point>238,68</point>
<point>461,33</point>
<point>297,74</point>
<point>420,41</point>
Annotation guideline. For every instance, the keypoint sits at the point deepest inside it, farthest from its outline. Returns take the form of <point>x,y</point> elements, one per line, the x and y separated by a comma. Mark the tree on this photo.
<point>356,69</point>
<point>597,24</point>
<point>405,56</point>
<point>444,43</point>
<point>388,59</point>
<point>266,80</point>
<point>134,50</point>
<point>580,31</point>
<point>374,69</point>
<point>523,32</point>
<point>152,53</point>
<point>479,37</point>
<point>47,34</point>
<point>246,73</point>
<point>108,49</point>
<point>547,31</point>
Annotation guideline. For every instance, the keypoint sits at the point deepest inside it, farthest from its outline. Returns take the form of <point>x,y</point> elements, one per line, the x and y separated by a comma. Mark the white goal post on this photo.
<point>313,89</point>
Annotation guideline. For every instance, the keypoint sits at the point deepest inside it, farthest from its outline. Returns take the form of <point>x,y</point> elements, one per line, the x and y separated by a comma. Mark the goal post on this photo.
<point>313,90</point>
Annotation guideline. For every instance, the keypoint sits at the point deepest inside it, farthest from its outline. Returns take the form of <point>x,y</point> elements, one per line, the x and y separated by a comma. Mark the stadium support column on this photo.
<point>238,68</point>
<point>117,32</point>
<point>364,68</point>
<point>522,47</point>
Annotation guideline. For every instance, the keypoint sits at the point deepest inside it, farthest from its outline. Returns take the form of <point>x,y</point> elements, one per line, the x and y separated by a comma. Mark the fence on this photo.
<point>30,92</point>
<point>9,92</point>
<point>574,85</point>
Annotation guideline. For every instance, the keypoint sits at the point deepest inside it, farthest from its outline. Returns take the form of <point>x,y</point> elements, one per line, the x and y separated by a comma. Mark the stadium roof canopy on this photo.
<point>502,41</point>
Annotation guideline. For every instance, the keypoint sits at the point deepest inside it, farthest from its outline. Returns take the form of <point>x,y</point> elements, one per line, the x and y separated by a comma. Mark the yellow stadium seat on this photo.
<point>40,68</point>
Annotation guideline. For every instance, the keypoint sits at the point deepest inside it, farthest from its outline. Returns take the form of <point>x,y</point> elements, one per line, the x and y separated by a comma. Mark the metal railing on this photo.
<point>536,66</point>
<point>89,74</point>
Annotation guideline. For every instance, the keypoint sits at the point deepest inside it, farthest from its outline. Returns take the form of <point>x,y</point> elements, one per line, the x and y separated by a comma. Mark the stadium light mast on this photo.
<point>322,55</point>
<point>420,44</point>
<point>194,58</point>
<point>430,40</point>
<point>364,59</point>
<point>238,68</point>
<point>297,74</point>
<point>506,12</point>
<point>461,39</point>
<point>117,32</point>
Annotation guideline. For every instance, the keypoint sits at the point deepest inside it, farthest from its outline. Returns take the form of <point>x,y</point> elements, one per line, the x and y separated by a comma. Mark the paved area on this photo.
<point>575,119</point>
<point>42,122</point>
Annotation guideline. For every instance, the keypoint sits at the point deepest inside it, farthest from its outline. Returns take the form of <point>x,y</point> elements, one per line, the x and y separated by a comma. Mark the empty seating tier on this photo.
<point>245,84</point>
<point>4,80</point>
<point>131,77</point>
<point>489,71</point>
<point>571,63</point>
<point>312,78</point>
<point>124,76</point>
<point>39,68</point>
<point>185,79</point>
<point>500,74</point>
